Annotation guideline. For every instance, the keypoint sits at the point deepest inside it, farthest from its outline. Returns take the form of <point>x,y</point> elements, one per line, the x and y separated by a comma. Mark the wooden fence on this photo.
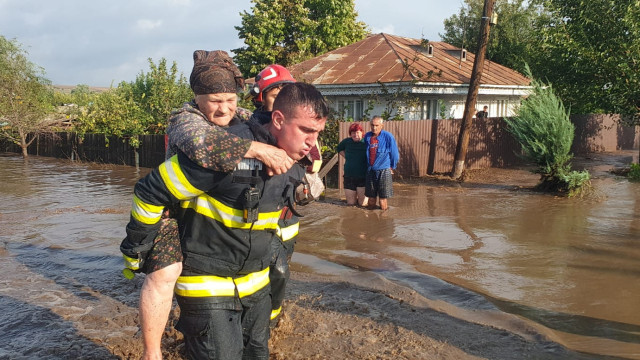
<point>426,146</point>
<point>96,148</point>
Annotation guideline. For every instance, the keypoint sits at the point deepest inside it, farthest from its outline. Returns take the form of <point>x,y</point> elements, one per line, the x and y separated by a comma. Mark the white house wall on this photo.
<point>499,105</point>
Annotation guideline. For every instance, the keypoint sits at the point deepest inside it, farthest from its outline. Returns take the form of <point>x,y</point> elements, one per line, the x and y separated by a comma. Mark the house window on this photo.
<point>350,109</point>
<point>415,112</point>
<point>502,108</point>
<point>426,110</point>
<point>463,55</point>
<point>430,51</point>
<point>432,109</point>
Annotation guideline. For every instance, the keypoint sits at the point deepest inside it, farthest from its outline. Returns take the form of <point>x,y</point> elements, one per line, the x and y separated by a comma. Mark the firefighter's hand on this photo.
<point>276,160</point>
<point>133,264</point>
<point>134,256</point>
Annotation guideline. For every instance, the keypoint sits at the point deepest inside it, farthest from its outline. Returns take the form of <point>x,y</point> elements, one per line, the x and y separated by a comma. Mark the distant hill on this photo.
<point>67,88</point>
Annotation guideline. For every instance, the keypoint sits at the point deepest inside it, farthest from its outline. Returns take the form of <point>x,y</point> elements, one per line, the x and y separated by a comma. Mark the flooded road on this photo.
<point>571,268</point>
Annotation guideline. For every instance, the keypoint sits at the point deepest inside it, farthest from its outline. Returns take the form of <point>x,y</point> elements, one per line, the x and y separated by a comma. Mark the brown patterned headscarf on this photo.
<point>214,72</point>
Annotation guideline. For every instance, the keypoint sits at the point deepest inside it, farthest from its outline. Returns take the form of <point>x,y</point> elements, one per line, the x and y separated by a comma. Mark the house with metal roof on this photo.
<point>408,79</point>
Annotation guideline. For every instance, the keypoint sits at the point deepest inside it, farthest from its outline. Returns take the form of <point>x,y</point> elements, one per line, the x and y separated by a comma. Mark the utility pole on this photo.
<point>474,84</point>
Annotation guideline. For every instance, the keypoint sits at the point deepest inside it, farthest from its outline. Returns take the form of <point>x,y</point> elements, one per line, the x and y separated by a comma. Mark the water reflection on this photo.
<point>572,266</point>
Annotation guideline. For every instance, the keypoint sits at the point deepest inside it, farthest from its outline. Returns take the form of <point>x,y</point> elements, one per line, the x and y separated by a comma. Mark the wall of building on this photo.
<point>428,106</point>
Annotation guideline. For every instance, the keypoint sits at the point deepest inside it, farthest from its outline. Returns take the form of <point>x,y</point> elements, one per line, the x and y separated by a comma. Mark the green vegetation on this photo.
<point>590,49</point>
<point>287,32</point>
<point>132,108</point>
<point>25,96</point>
<point>329,137</point>
<point>634,172</point>
<point>543,129</point>
<point>513,39</point>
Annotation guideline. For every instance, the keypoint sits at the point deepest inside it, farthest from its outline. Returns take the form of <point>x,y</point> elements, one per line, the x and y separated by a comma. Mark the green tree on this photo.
<point>287,32</point>
<point>82,95</point>
<point>513,38</point>
<point>158,92</point>
<point>25,96</point>
<point>114,112</point>
<point>545,132</point>
<point>591,51</point>
<point>133,108</point>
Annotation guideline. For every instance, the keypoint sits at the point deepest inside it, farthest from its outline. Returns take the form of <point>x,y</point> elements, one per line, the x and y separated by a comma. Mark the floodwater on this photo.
<point>569,267</point>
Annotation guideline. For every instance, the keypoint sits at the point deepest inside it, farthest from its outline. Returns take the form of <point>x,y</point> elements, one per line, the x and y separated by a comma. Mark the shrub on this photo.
<point>545,133</point>
<point>634,172</point>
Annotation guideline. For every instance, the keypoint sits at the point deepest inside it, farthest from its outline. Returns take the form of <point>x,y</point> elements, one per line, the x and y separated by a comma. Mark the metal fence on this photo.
<point>428,146</point>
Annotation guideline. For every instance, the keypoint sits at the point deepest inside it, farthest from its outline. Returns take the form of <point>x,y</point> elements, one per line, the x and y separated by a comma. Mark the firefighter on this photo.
<point>227,223</point>
<point>264,91</point>
<point>196,130</point>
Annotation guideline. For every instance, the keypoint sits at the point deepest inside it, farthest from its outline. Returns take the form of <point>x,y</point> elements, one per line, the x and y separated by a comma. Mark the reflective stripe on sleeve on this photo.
<point>289,232</point>
<point>209,285</point>
<point>131,263</point>
<point>175,180</point>
<point>228,216</point>
<point>145,213</point>
<point>275,313</point>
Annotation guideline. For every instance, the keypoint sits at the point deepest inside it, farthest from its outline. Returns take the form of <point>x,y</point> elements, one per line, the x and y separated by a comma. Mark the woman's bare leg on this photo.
<point>351,196</point>
<point>156,297</point>
<point>360,195</point>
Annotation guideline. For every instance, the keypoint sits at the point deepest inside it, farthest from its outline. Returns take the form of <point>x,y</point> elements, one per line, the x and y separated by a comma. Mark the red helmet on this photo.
<point>269,77</point>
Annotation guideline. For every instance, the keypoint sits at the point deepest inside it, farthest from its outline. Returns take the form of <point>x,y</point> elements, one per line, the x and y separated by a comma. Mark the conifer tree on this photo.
<point>545,133</point>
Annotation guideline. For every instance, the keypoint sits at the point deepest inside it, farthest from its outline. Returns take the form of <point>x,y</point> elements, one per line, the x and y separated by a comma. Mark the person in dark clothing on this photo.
<point>483,114</point>
<point>264,92</point>
<point>354,151</point>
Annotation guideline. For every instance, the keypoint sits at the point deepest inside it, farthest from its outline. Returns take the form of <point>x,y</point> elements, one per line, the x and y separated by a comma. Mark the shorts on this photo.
<point>166,248</point>
<point>351,183</point>
<point>379,183</point>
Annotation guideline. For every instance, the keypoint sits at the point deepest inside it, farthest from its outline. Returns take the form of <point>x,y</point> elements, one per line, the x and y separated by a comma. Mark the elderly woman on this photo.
<point>354,151</point>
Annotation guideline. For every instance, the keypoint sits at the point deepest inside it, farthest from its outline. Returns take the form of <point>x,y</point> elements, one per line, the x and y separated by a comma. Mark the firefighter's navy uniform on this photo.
<point>282,247</point>
<point>227,222</point>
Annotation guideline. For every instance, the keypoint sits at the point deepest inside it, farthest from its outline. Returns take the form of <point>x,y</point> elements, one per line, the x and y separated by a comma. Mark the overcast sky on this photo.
<point>100,43</point>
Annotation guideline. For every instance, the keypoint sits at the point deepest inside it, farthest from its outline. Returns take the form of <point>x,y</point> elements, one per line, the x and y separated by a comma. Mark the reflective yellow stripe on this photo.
<point>230,217</point>
<point>175,180</point>
<point>315,166</point>
<point>289,232</point>
<point>131,263</point>
<point>253,282</point>
<point>275,313</point>
<point>202,286</point>
<point>145,213</point>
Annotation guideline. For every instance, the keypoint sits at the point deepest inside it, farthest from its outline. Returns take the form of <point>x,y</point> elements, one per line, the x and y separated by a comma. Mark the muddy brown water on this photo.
<point>571,268</point>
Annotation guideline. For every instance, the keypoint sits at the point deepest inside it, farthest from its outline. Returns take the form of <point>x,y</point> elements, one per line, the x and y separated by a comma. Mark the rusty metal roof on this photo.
<point>388,58</point>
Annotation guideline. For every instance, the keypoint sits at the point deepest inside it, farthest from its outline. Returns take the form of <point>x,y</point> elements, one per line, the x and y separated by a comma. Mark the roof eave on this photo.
<point>422,88</point>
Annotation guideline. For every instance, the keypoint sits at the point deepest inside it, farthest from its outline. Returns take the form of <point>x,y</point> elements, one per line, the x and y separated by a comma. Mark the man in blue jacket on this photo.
<point>383,155</point>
